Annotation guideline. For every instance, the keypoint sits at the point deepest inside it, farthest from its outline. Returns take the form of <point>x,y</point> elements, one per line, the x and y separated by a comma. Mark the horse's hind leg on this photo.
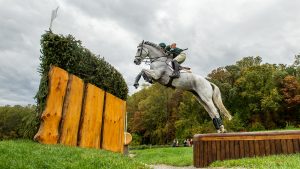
<point>209,106</point>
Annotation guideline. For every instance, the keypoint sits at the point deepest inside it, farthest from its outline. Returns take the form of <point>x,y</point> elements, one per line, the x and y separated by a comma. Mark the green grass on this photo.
<point>182,156</point>
<point>269,162</point>
<point>25,154</point>
<point>175,156</point>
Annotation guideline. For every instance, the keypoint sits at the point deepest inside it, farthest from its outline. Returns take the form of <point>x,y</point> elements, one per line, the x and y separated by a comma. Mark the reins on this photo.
<point>147,59</point>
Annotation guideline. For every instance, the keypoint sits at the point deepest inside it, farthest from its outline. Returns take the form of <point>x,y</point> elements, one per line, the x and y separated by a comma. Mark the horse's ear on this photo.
<point>143,42</point>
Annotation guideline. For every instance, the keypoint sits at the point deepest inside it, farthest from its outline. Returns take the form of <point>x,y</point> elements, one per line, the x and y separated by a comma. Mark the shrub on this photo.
<point>257,126</point>
<point>68,54</point>
<point>235,125</point>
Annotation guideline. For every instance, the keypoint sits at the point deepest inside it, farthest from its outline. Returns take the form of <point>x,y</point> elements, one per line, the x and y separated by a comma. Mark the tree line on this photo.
<point>17,122</point>
<point>260,96</point>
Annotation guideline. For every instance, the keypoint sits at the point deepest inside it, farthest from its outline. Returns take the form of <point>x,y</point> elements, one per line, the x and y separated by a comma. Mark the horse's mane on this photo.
<point>153,45</point>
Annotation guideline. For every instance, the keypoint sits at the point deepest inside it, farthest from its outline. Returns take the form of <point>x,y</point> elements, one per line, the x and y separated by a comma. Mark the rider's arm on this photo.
<point>168,48</point>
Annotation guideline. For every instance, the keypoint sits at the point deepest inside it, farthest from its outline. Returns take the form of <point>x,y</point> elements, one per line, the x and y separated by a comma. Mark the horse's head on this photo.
<point>148,50</point>
<point>141,53</point>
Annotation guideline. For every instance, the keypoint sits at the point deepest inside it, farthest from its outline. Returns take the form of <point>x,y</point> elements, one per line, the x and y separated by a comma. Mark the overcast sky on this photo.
<point>217,33</point>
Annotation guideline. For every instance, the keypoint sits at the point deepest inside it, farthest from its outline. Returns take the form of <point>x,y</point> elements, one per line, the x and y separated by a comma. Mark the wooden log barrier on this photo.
<point>212,147</point>
<point>79,114</point>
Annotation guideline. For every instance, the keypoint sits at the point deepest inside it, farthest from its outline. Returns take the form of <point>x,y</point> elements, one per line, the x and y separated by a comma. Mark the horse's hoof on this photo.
<point>136,85</point>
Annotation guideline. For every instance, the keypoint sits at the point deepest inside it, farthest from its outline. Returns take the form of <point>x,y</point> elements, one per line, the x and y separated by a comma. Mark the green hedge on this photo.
<point>67,53</point>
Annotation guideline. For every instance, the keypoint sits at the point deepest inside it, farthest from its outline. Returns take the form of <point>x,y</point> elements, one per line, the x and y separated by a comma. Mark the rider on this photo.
<point>178,58</point>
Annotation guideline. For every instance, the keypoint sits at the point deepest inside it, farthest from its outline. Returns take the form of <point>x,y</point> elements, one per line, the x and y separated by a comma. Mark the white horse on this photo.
<point>207,93</point>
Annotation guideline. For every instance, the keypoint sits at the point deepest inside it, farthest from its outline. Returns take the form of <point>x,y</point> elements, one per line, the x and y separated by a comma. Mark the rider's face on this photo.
<point>173,45</point>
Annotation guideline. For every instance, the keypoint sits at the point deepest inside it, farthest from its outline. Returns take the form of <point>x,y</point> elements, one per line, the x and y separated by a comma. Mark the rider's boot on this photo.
<point>176,69</point>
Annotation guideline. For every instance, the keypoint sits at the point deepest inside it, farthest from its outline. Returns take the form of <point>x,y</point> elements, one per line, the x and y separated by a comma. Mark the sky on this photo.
<point>217,33</point>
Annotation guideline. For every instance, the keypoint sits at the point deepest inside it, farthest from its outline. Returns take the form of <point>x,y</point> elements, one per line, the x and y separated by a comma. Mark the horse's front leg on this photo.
<point>137,79</point>
<point>148,75</point>
<point>152,74</point>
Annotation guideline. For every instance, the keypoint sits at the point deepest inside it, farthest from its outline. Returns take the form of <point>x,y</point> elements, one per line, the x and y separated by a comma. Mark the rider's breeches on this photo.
<point>180,58</point>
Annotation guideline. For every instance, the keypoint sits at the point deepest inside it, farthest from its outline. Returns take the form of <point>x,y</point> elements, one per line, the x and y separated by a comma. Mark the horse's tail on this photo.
<point>218,101</point>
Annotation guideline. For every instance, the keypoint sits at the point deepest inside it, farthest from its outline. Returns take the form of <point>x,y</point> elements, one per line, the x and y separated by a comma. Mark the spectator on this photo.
<point>174,143</point>
<point>185,143</point>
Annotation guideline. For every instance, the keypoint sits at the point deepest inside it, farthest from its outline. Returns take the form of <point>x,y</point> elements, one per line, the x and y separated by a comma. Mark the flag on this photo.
<point>53,16</point>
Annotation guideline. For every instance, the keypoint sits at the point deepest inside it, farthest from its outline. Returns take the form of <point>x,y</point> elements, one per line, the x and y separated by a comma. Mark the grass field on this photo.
<point>176,156</point>
<point>182,156</point>
<point>25,154</point>
<point>269,162</point>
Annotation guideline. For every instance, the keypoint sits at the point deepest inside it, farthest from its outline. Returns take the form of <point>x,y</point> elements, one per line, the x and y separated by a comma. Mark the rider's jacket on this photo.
<point>174,51</point>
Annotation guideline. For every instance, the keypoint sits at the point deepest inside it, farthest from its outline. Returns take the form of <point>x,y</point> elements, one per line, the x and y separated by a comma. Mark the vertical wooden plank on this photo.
<point>209,152</point>
<point>251,148</point>
<point>71,111</point>
<point>272,147</point>
<point>205,152</point>
<point>247,150</point>
<point>290,147</point>
<point>267,147</point>
<point>278,146</point>
<point>231,142</point>
<point>113,127</point>
<point>51,116</point>
<point>218,144</point>
<point>201,153</point>
<point>296,145</point>
<point>196,154</point>
<point>91,118</point>
<point>242,148</point>
<point>236,149</point>
<point>223,150</point>
<point>227,150</point>
<point>261,147</point>
<point>284,146</point>
<point>256,148</point>
<point>214,151</point>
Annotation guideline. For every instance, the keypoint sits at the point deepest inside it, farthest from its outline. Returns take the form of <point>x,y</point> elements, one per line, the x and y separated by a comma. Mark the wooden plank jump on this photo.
<point>81,114</point>
<point>212,147</point>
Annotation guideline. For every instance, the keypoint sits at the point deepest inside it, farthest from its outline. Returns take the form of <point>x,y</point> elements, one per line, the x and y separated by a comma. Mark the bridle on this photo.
<point>147,59</point>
